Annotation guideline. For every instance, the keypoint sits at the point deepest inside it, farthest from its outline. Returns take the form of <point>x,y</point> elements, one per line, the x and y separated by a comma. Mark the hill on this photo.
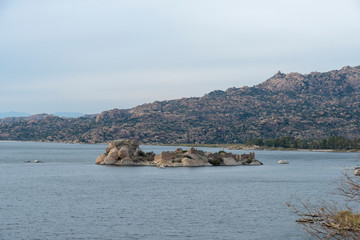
<point>315,105</point>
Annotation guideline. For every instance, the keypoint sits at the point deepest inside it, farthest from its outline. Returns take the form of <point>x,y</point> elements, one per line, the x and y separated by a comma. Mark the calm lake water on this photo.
<point>69,197</point>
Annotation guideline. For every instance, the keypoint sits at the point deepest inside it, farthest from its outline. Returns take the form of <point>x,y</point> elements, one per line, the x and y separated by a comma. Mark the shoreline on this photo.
<point>221,145</point>
<point>244,147</point>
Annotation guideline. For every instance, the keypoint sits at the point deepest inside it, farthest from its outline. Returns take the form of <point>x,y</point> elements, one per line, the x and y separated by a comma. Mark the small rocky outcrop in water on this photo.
<point>128,153</point>
<point>198,158</point>
<point>125,153</point>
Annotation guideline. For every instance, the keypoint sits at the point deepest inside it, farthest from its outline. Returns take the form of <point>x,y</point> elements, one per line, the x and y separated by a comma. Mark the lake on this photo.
<point>70,197</point>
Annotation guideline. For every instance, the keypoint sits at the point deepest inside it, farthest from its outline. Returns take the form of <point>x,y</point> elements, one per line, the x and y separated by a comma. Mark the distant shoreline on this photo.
<point>245,147</point>
<point>222,145</point>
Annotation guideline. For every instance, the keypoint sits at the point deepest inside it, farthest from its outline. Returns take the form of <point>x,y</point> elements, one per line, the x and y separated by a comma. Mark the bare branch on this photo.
<point>326,220</point>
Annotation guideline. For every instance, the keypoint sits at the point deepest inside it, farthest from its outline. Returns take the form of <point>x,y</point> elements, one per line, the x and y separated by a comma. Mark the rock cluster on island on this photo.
<point>125,153</point>
<point>128,153</point>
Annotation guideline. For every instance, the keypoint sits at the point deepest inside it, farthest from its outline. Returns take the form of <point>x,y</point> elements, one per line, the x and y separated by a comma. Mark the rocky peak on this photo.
<point>284,82</point>
<point>346,68</point>
<point>279,74</point>
<point>216,93</point>
<point>111,115</point>
<point>335,81</point>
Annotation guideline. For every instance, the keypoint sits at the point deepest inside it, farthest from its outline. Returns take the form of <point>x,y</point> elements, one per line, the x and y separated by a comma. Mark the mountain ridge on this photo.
<point>314,105</point>
<point>14,116</point>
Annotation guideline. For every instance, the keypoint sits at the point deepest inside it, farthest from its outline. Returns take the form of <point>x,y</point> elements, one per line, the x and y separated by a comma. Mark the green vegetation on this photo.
<point>215,162</point>
<point>348,219</point>
<point>248,161</point>
<point>141,153</point>
<point>333,142</point>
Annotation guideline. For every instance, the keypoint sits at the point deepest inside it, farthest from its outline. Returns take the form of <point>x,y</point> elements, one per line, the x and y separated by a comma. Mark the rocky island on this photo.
<point>128,153</point>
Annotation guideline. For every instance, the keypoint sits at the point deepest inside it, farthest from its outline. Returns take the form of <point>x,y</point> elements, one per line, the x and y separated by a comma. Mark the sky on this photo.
<point>89,56</point>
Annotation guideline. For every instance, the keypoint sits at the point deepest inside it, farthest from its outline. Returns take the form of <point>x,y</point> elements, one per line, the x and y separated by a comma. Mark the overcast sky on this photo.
<point>94,55</point>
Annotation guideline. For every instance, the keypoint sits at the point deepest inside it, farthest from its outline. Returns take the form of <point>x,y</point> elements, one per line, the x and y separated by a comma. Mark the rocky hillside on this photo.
<point>314,105</point>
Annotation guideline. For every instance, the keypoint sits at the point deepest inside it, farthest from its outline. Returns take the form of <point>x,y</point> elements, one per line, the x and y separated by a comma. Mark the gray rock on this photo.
<point>256,163</point>
<point>124,152</point>
<point>229,161</point>
<point>112,157</point>
<point>100,158</point>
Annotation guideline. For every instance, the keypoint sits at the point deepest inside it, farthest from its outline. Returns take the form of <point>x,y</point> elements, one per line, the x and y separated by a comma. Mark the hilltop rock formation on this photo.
<point>305,106</point>
<point>128,153</point>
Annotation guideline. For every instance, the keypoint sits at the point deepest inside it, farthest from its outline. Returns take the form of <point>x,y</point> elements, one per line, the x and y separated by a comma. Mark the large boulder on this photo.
<point>191,160</point>
<point>192,156</point>
<point>123,142</point>
<point>100,159</point>
<point>229,161</point>
<point>124,153</point>
<point>165,158</point>
<point>255,163</point>
<point>111,157</point>
<point>126,161</point>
